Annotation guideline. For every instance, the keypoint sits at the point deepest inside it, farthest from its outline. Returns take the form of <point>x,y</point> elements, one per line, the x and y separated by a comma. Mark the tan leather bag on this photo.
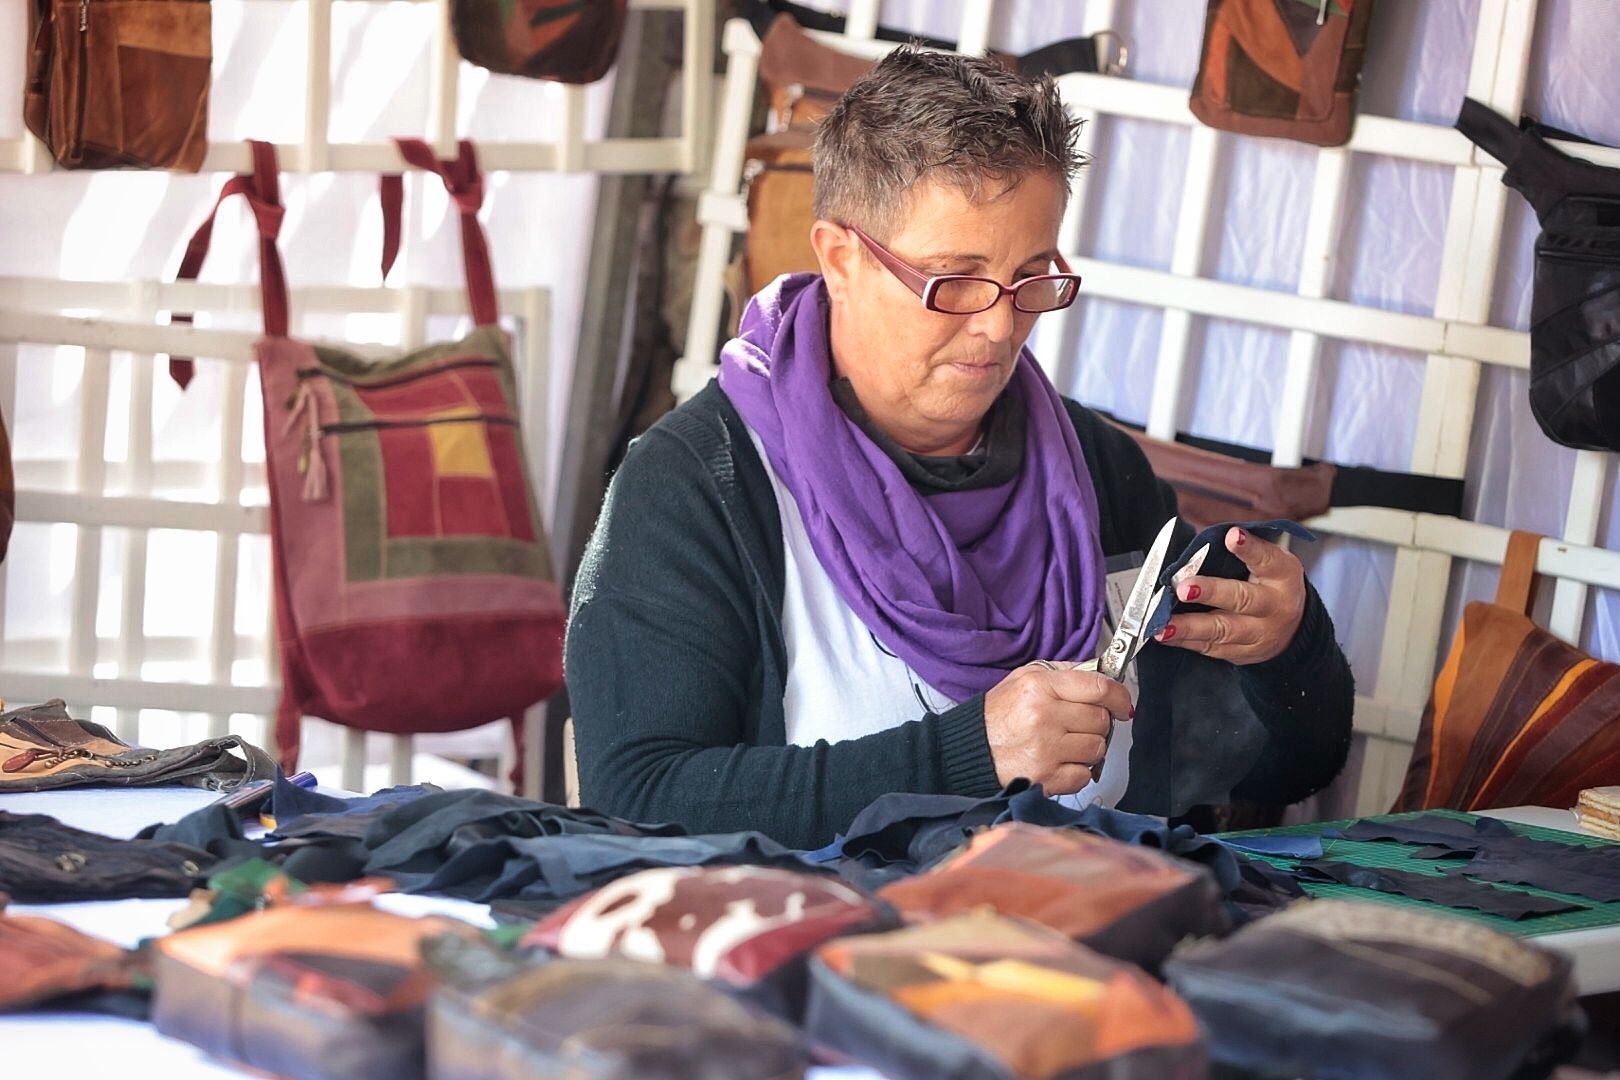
<point>781,193</point>
<point>120,83</point>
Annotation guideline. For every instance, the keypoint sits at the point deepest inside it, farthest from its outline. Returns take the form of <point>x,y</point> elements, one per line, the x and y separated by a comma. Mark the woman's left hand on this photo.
<point>1252,620</point>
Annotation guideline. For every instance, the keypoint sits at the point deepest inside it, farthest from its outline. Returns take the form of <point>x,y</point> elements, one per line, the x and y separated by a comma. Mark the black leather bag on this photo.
<point>1575,311</point>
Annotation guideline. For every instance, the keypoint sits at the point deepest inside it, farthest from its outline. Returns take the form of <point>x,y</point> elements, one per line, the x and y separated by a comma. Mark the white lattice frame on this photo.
<point>1455,338</point>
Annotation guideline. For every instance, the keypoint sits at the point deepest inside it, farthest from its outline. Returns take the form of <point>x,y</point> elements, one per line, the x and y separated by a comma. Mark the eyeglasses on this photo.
<point>965,294</point>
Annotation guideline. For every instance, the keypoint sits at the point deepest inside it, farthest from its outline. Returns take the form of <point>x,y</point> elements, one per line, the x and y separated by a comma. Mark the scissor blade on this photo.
<point>1191,567</point>
<point>1122,646</point>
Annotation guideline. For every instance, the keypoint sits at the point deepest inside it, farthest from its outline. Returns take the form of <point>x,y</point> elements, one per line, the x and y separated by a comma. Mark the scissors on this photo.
<point>1140,605</point>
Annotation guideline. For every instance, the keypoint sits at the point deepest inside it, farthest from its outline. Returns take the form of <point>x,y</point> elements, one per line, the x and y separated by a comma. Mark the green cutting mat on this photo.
<point>1389,855</point>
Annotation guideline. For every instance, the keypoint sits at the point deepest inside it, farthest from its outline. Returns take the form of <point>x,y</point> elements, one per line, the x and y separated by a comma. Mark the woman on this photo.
<point>869,559</point>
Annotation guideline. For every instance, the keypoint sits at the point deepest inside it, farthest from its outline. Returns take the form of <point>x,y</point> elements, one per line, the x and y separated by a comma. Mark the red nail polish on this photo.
<point>1242,537</point>
<point>1169,631</point>
<point>1194,592</point>
<point>1133,712</point>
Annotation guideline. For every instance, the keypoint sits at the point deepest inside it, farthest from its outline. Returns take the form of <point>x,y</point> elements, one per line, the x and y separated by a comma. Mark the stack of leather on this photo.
<point>1598,811</point>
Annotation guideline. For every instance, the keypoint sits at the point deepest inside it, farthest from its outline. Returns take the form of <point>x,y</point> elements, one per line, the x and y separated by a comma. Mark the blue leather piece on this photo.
<point>1293,847</point>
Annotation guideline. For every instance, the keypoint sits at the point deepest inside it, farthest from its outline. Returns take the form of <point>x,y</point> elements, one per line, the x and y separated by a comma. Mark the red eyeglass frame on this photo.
<point>927,287</point>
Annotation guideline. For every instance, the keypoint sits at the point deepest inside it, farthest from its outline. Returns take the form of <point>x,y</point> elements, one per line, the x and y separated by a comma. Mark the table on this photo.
<point>80,1046</point>
<point>84,1046</point>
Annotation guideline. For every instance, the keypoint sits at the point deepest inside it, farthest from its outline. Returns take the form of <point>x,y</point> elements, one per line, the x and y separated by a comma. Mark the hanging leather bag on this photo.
<point>120,83</point>
<point>1518,717</point>
<point>1219,481</point>
<point>1287,68</point>
<point>411,572</point>
<point>570,41</point>
<point>1575,308</point>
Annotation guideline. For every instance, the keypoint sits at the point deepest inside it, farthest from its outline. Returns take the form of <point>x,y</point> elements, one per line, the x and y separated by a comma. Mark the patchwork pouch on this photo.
<point>45,963</point>
<point>1131,903</point>
<point>1344,989</point>
<point>747,928</point>
<point>983,996</point>
<point>324,993</point>
<point>571,41</point>
<point>1288,68</point>
<point>604,1020</point>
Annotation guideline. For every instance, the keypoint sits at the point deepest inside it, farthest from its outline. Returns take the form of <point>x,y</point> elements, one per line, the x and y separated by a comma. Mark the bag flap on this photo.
<point>355,932</point>
<point>1072,882</point>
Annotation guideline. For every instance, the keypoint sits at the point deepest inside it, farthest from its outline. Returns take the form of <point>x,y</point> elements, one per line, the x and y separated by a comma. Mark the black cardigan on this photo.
<point>676,663</point>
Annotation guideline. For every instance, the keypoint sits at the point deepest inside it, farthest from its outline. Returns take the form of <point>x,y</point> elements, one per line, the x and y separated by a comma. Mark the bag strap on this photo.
<point>1536,169</point>
<point>1353,485</point>
<point>1516,589</point>
<point>465,184</point>
<point>262,190</point>
<point>1490,131</point>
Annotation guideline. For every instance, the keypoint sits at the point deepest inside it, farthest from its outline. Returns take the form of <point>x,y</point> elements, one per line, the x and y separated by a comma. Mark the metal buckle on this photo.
<point>1122,52</point>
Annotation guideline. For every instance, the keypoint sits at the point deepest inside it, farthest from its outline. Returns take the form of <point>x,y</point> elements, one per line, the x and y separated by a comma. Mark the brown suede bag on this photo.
<point>120,83</point>
<point>1287,68</point>
<point>1517,717</point>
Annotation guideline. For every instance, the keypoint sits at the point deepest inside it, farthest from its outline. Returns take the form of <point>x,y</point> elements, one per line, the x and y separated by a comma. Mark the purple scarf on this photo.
<point>963,586</point>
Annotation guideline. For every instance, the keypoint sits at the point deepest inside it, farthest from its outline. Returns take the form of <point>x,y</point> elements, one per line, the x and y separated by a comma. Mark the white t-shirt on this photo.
<point>842,683</point>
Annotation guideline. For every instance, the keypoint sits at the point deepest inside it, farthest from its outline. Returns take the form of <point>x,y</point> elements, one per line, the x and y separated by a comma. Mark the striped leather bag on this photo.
<point>1517,717</point>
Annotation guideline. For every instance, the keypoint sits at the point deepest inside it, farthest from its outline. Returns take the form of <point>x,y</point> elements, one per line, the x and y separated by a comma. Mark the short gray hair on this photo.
<point>924,115</point>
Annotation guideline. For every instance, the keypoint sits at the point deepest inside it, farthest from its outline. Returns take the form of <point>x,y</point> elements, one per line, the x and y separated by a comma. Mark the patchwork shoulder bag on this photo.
<point>1575,306</point>
<point>412,576</point>
<point>1518,717</point>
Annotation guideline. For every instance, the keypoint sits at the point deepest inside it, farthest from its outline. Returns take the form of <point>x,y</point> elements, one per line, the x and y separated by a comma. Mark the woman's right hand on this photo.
<point>1049,721</point>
